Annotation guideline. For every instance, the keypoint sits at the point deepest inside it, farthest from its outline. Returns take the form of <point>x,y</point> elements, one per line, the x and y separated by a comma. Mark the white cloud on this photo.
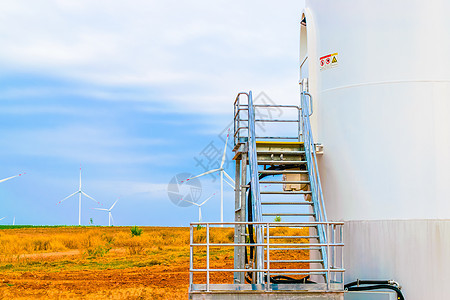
<point>200,52</point>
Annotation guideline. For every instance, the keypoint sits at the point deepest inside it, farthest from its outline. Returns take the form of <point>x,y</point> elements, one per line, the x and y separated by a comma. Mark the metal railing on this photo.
<point>241,121</point>
<point>334,271</point>
<point>256,196</point>
<point>313,168</point>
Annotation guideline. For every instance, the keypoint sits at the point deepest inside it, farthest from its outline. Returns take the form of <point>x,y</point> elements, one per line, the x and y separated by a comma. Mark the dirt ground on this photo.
<point>107,262</point>
<point>132,283</point>
<point>152,266</point>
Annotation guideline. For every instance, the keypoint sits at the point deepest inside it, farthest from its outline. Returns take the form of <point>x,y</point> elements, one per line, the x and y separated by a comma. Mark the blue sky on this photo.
<point>133,92</point>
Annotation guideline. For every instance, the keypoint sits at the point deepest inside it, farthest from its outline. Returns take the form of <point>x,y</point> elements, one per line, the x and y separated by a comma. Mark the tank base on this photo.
<point>254,295</point>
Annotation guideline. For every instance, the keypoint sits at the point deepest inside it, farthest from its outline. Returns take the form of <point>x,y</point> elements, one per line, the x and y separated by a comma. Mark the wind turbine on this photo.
<point>222,172</point>
<point>110,218</point>
<point>79,192</point>
<point>199,206</point>
<point>3,180</point>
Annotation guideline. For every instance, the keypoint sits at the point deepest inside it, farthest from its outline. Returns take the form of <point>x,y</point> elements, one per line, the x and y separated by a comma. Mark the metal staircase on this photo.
<point>284,180</point>
<point>276,178</point>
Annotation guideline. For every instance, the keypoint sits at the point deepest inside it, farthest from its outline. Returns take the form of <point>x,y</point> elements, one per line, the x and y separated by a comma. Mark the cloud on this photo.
<point>196,52</point>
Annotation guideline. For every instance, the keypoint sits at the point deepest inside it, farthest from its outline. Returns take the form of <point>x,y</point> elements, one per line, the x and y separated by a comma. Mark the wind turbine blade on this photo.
<point>206,173</point>
<point>80,177</point>
<point>2,218</point>
<point>114,204</point>
<point>189,202</point>
<point>228,176</point>
<point>225,150</point>
<point>100,209</point>
<point>3,180</point>
<point>207,199</point>
<point>90,197</point>
<point>232,186</point>
<point>67,197</point>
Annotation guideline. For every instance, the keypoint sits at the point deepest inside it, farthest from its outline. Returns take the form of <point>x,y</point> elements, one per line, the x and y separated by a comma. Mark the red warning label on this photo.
<point>328,61</point>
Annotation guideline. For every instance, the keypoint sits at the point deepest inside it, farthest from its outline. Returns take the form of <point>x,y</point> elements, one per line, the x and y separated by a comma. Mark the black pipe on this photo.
<point>376,285</point>
<point>280,279</point>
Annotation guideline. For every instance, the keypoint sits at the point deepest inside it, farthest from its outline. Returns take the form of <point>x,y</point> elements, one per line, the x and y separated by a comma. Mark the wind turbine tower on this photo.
<point>110,217</point>
<point>79,192</point>
<point>200,206</point>
<point>223,173</point>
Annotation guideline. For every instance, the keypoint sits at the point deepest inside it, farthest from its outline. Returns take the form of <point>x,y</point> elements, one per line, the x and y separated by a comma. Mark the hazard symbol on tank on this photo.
<point>328,61</point>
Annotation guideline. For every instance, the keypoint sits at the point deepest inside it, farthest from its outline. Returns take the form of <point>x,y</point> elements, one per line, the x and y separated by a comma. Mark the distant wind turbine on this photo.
<point>110,218</point>
<point>79,192</point>
<point>222,172</point>
<point>3,180</point>
<point>199,206</point>
<point>14,220</point>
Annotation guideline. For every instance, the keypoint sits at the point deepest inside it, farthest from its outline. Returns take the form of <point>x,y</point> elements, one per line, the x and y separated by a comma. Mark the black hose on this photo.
<point>250,230</point>
<point>280,279</point>
<point>376,285</point>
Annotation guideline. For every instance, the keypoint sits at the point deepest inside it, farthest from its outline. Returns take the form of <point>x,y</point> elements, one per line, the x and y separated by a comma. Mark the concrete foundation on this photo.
<point>254,295</point>
<point>370,295</point>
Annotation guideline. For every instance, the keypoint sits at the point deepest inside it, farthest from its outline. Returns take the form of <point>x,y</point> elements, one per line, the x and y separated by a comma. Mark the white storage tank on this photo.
<point>379,73</point>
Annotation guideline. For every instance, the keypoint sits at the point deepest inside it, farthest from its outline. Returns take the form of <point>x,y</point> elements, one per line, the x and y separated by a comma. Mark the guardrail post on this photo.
<point>191,256</point>
<point>327,233</point>
<point>207,257</point>
<point>268,257</point>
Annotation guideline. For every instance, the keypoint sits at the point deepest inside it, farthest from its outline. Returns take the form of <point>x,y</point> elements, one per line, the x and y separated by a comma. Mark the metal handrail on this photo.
<point>332,228</point>
<point>238,120</point>
<point>315,183</point>
<point>256,196</point>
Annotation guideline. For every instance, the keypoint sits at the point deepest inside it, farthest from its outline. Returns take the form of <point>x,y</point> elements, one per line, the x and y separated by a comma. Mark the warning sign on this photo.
<point>328,61</point>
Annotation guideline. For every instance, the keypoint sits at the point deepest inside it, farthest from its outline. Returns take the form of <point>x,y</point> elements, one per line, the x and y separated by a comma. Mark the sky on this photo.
<point>134,93</point>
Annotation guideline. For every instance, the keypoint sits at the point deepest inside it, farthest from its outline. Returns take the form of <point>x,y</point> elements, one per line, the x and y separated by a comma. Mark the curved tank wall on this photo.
<point>383,115</point>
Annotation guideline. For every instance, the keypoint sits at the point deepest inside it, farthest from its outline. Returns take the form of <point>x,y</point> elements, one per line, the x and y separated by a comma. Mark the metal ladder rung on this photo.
<point>285,182</point>
<point>276,120</point>
<point>287,215</point>
<point>266,152</point>
<point>286,192</point>
<point>287,203</point>
<point>277,137</point>
<point>276,172</point>
<point>282,162</point>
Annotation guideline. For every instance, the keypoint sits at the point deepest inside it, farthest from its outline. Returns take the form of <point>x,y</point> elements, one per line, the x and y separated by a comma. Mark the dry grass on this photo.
<point>107,262</point>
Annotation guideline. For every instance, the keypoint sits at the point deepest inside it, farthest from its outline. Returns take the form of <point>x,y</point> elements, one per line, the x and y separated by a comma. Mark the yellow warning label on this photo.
<point>328,61</point>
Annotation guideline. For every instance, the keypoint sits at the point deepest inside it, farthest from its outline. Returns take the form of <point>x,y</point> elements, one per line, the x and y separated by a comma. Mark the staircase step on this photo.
<point>285,182</point>
<point>287,203</point>
<point>286,192</point>
<point>282,162</point>
<point>286,152</point>
<point>280,172</point>
<point>287,215</point>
